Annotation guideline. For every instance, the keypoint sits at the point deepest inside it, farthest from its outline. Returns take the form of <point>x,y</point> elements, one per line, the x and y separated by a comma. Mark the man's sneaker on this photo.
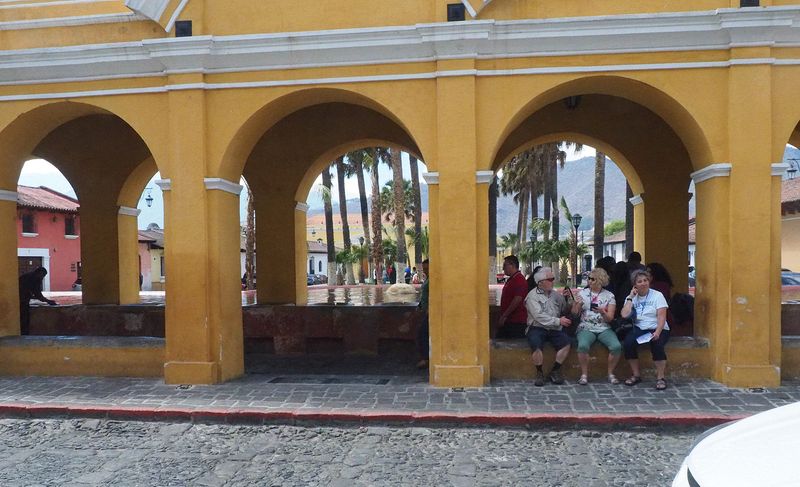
<point>539,382</point>
<point>556,377</point>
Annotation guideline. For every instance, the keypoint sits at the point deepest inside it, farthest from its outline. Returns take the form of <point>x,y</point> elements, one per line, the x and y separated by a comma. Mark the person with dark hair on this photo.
<point>423,332</point>
<point>607,264</point>
<point>635,262</point>
<point>513,317</point>
<point>660,279</point>
<point>532,278</point>
<point>30,287</point>
<point>620,282</point>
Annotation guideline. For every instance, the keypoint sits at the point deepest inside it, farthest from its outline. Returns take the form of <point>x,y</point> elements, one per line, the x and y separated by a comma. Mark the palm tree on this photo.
<point>341,174</point>
<point>376,155</point>
<point>599,202</point>
<point>554,157</point>
<point>399,208</point>
<point>414,167</point>
<point>250,240</point>
<point>325,192</point>
<point>387,201</point>
<point>356,167</point>
<point>628,219</point>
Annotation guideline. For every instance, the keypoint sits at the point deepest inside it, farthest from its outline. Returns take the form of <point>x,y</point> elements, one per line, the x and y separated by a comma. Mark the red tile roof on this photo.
<point>44,198</point>
<point>790,196</point>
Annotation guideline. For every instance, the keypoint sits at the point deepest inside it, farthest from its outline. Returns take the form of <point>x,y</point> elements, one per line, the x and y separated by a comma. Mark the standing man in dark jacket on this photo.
<point>30,287</point>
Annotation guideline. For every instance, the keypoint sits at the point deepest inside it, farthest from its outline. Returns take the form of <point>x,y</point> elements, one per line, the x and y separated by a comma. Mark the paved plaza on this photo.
<point>375,398</point>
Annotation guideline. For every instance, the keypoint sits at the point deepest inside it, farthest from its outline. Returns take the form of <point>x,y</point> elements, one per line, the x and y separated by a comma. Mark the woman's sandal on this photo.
<point>612,379</point>
<point>583,380</point>
<point>633,380</point>
<point>661,384</point>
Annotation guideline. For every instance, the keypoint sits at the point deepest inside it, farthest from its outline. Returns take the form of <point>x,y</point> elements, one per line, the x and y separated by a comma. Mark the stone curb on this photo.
<point>327,416</point>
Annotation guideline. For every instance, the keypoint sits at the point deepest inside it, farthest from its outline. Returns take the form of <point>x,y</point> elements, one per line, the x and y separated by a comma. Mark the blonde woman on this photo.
<point>597,307</point>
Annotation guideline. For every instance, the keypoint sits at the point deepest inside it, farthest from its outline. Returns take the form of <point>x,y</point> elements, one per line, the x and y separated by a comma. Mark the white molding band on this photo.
<point>484,177</point>
<point>223,185</point>
<point>6,195</point>
<point>431,178</point>
<point>302,207</point>
<point>719,170</point>
<point>779,169</point>
<point>721,30</point>
<point>637,199</point>
<point>128,211</point>
<point>164,184</point>
<point>152,9</point>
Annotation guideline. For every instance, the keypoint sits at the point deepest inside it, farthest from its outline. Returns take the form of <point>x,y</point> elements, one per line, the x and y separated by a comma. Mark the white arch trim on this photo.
<point>223,185</point>
<point>637,199</point>
<point>719,170</point>
<point>431,177</point>
<point>164,184</point>
<point>6,195</point>
<point>302,207</point>
<point>128,211</point>
<point>779,169</point>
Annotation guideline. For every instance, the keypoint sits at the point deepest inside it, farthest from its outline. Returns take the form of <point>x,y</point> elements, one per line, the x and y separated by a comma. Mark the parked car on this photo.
<point>759,450</point>
<point>309,279</point>
<point>692,276</point>
<point>501,277</point>
<point>790,279</point>
<point>77,285</point>
<point>320,279</point>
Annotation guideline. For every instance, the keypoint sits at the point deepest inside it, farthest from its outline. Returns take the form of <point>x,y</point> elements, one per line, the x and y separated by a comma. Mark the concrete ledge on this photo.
<point>82,356</point>
<point>686,357</point>
<point>327,416</point>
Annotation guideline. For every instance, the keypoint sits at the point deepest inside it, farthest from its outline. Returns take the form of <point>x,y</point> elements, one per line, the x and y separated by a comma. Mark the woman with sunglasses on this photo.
<point>650,319</point>
<point>597,311</point>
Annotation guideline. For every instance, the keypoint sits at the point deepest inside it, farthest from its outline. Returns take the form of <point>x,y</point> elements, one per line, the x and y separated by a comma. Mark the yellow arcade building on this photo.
<point>208,91</point>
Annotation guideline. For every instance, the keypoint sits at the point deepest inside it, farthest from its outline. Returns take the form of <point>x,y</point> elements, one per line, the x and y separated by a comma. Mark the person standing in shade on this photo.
<point>635,262</point>
<point>423,332</point>
<point>30,287</point>
<point>546,319</point>
<point>513,317</point>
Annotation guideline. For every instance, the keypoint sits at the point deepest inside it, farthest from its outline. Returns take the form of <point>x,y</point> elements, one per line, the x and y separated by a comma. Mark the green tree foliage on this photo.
<point>613,227</point>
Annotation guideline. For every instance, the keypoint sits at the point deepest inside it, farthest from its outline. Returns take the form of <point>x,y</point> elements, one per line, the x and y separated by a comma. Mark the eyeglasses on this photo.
<point>591,279</point>
<point>551,279</point>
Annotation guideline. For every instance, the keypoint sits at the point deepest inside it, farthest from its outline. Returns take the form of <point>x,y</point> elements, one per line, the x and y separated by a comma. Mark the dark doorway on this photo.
<point>29,264</point>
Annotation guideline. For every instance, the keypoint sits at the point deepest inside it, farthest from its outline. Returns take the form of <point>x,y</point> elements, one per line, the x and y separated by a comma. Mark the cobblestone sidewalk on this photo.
<point>380,398</point>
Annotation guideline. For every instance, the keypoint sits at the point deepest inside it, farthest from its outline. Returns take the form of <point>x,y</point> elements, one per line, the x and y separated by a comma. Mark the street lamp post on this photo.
<point>576,222</point>
<point>794,166</point>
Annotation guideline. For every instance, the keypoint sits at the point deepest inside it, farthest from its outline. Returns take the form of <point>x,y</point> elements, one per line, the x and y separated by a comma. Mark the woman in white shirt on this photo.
<point>649,308</point>
<point>597,311</point>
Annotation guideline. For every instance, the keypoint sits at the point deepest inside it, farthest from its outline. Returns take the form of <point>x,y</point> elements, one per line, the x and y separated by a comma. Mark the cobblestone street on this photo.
<point>101,452</point>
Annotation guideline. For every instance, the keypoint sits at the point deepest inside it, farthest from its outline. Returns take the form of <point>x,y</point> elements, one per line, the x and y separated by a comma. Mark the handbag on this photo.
<point>572,330</point>
<point>621,326</point>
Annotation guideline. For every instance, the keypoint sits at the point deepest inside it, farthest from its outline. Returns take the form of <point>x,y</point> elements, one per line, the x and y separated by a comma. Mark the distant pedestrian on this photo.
<point>423,333</point>
<point>392,274</point>
<point>415,276</point>
<point>30,287</point>
<point>407,275</point>
<point>513,318</point>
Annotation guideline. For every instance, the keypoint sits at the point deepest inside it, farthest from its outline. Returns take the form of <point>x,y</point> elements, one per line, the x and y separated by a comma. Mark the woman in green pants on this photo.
<point>597,311</point>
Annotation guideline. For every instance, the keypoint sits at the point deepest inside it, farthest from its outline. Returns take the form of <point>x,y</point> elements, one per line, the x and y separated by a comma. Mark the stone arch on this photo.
<point>672,112</point>
<point>241,146</point>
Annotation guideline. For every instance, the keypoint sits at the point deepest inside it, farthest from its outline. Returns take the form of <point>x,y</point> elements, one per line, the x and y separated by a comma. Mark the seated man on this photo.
<point>546,309</point>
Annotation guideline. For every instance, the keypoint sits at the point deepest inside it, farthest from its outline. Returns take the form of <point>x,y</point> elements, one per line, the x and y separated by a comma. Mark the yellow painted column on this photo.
<point>665,239</point>
<point>280,249</point>
<point>203,292</point>
<point>9,287</point>
<point>128,242</point>
<point>459,330</point>
<point>639,225</point>
<point>748,351</point>
<point>99,249</point>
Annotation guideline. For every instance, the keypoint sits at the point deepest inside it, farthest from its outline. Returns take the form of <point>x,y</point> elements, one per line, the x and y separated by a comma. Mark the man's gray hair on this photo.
<point>542,273</point>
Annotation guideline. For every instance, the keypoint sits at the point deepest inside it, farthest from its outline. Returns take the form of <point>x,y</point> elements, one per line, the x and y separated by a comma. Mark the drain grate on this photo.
<point>372,381</point>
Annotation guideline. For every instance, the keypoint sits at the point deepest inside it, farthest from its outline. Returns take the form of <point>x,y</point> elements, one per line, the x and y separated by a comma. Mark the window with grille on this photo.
<point>69,225</point>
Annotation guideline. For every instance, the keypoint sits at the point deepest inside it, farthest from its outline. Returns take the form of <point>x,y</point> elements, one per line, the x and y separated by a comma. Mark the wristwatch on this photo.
<point>629,298</point>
